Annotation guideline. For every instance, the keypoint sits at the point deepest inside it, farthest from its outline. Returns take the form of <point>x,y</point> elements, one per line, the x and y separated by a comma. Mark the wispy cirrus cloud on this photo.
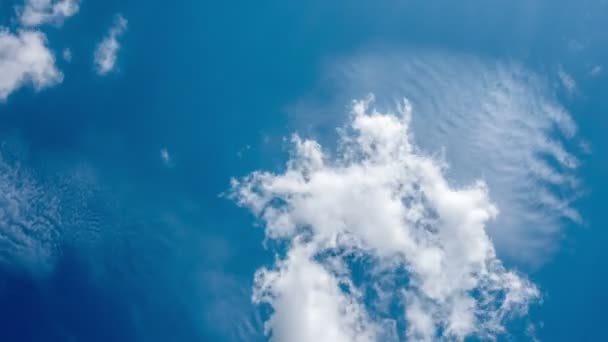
<point>381,210</point>
<point>29,219</point>
<point>25,59</point>
<point>487,119</point>
<point>43,210</point>
<point>107,50</point>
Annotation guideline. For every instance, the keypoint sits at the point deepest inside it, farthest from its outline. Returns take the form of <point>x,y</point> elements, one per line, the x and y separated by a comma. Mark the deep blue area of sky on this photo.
<point>173,260</point>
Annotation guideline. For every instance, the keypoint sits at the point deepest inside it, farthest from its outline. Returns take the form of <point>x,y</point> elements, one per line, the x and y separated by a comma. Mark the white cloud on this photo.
<point>25,59</point>
<point>39,12</point>
<point>105,54</point>
<point>490,120</point>
<point>166,157</point>
<point>67,55</point>
<point>378,198</point>
<point>308,302</point>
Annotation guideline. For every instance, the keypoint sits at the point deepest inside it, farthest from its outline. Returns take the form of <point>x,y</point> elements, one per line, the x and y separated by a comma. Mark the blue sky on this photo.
<point>119,221</point>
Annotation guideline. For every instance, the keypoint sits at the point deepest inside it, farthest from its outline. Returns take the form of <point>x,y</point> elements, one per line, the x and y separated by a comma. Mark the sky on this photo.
<point>303,171</point>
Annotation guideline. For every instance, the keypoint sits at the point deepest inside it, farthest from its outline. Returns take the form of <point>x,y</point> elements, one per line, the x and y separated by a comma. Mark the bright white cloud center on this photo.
<point>378,200</point>
<point>25,60</point>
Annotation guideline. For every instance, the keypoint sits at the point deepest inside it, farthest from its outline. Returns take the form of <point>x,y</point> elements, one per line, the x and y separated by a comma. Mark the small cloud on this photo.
<point>567,80</point>
<point>585,146</point>
<point>242,151</point>
<point>105,54</point>
<point>67,55</point>
<point>166,157</point>
<point>575,45</point>
<point>596,70</point>
<point>25,59</point>
<point>39,12</point>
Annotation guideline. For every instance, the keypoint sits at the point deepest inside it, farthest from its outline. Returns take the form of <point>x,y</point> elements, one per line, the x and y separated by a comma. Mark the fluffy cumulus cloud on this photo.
<point>491,120</point>
<point>309,303</point>
<point>39,12</point>
<point>374,226</point>
<point>107,50</point>
<point>25,59</point>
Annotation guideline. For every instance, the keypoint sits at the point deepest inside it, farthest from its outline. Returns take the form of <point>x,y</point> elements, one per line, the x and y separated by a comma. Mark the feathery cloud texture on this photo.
<point>378,201</point>
<point>25,59</point>
<point>105,54</point>
<point>29,219</point>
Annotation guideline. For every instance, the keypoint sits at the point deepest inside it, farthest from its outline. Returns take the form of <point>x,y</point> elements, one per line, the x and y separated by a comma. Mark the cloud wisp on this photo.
<point>39,12</point>
<point>567,81</point>
<point>107,50</point>
<point>373,226</point>
<point>491,120</point>
<point>25,59</point>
